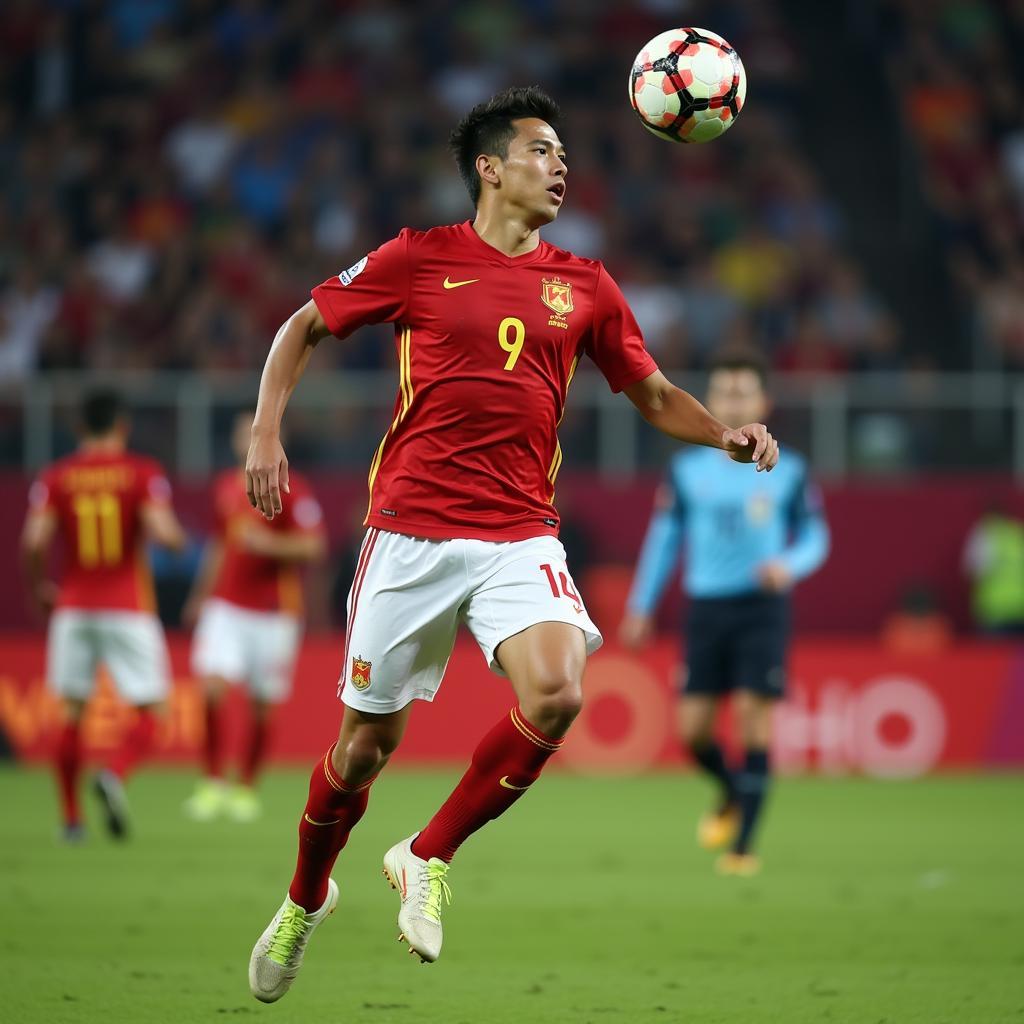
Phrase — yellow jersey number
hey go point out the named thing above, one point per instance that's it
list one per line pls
(511, 334)
(99, 529)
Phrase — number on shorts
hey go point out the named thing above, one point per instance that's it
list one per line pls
(511, 324)
(568, 590)
(99, 529)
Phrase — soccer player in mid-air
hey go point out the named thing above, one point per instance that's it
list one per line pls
(248, 601)
(103, 502)
(747, 540)
(490, 324)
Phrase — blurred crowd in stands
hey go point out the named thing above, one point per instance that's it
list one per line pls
(957, 65)
(178, 173)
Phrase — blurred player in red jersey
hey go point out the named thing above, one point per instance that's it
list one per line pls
(490, 324)
(248, 602)
(104, 502)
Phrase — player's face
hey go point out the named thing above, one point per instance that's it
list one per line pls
(533, 173)
(737, 397)
(241, 432)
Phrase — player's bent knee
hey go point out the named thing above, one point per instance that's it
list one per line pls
(553, 706)
(362, 755)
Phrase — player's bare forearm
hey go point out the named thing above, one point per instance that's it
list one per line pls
(675, 412)
(292, 546)
(286, 362)
(162, 527)
(266, 467)
(678, 414)
(36, 540)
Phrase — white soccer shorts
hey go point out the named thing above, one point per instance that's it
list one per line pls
(241, 645)
(131, 645)
(410, 594)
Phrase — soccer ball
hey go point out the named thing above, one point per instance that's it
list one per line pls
(687, 85)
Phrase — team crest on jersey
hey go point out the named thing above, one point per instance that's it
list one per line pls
(361, 673)
(557, 296)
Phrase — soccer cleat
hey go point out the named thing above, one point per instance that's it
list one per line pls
(243, 805)
(277, 956)
(741, 865)
(422, 886)
(207, 802)
(109, 790)
(715, 831)
(72, 834)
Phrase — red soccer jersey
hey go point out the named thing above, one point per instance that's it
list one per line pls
(487, 347)
(251, 580)
(98, 498)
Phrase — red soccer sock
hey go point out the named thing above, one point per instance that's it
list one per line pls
(255, 749)
(213, 741)
(507, 761)
(134, 745)
(68, 761)
(332, 811)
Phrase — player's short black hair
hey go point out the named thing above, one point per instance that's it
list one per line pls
(487, 128)
(733, 361)
(100, 410)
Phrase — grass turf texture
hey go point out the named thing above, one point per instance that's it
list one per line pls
(589, 902)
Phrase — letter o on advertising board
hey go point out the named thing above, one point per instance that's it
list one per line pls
(649, 719)
(913, 754)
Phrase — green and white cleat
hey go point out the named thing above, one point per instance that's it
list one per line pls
(208, 801)
(422, 886)
(277, 957)
(243, 804)
(109, 790)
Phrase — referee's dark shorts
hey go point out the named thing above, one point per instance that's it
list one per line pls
(737, 643)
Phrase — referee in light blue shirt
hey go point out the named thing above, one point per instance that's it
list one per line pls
(746, 539)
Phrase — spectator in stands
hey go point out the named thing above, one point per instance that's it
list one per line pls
(918, 625)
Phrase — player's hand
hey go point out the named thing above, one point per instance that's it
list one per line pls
(636, 630)
(266, 474)
(752, 443)
(774, 577)
(44, 597)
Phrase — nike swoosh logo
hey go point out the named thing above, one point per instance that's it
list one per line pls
(503, 781)
(458, 284)
(321, 823)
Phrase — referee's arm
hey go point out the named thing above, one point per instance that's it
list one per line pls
(659, 555)
(809, 542)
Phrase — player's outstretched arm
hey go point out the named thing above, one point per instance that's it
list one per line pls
(266, 467)
(289, 546)
(36, 541)
(162, 526)
(678, 414)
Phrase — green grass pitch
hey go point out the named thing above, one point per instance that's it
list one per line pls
(881, 903)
